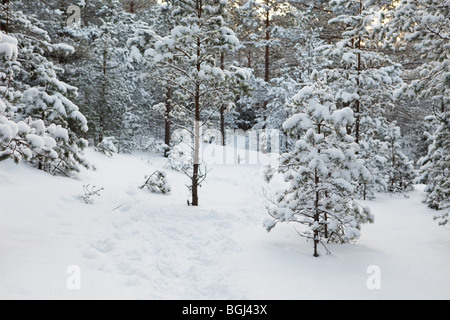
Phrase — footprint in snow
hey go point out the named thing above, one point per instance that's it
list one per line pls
(125, 207)
(134, 255)
(89, 254)
(130, 191)
(65, 223)
(132, 282)
(103, 246)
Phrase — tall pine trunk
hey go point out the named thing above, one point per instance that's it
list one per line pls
(4, 26)
(393, 163)
(266, 59)
(104, 92)
(222, 108)
(357, 102)
(195, 174)
(316, 215)
(167, 120)
(267, 51)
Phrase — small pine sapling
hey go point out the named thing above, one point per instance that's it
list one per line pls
(399, 170)
(180, 155)
(443, 218)
(157, 182)
(89, 192)
(435, 166)
(107, 146)
(322, 171)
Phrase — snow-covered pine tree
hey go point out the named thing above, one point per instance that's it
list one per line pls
(435, 168)
(299, 60)
(161, 23)
(298, 38)
(135, 6)
(438, 168)
(189, 57)
(42, 99)
(157, 182)
(269, 31)
(382, 148)
(322, 170)
(425, 24)
(108, 75)
(373, 132)
(360, 75)
(17, 139)
(399, 170)
(115, 100)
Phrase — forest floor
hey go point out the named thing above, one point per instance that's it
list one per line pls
(134, 244)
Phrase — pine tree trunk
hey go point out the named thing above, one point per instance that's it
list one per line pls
(103, 107)
(222, 108)
(325, 216)
(365, 191)
(195, 185)
(393, 164)
(195, 174)
(266, 60)
(5, 26)
(222, 125)
(167, 121)
(316, 219)
(316, 215)
(267, 53)
(357, 102)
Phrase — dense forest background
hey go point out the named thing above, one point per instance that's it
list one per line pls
(124, 75)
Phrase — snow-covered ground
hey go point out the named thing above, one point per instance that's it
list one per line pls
(133, 244)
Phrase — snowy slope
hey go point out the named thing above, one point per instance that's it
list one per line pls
(132, 244)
